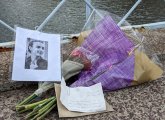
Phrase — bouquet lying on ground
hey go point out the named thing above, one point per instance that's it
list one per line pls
(119, 61)
(106, 56)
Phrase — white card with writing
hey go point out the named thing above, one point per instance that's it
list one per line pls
(83, 99)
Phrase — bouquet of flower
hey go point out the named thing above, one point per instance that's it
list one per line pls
(107, 56)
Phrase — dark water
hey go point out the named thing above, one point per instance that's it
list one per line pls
(147, 12)
(71, 17)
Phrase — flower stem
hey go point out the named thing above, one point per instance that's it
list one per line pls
(37, 108)
(24, 108)
(43, 115)
(28, 99)
(44, 109)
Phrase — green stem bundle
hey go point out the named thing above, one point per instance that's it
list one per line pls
(40, 109)
(35, 110)
(28, 100)
(43, 115)
(24, 108)
(44, 110)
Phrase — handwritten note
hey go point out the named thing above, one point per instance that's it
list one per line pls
(83, 99)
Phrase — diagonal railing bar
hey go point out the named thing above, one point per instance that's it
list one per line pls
(51, 15)
(6, 25)
(88, 10)
(93, 8)
(88, 20)
(58, 7)
(129, 12)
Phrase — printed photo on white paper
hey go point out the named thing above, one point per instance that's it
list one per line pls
(36, 56)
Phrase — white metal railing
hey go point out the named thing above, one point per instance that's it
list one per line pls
(6, 25)
(51, 15)
(129, 12)
(88, 8)
(88, 11)
(148, 26)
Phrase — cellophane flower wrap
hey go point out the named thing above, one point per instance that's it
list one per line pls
(110, 56)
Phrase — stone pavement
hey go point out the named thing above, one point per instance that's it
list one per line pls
(142, 102)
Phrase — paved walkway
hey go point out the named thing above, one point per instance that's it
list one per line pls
(142, 102)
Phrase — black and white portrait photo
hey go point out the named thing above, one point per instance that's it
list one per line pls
(36, 54)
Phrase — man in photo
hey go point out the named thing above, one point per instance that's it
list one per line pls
(35, 59)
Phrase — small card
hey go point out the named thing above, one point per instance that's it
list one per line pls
(83, 99)
(64, 113)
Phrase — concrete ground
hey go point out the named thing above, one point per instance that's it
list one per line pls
(142, 102)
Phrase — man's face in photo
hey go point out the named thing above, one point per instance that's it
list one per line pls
(38, 49)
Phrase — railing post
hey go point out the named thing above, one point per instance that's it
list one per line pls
(88, 11)
(51, 15)
(129, 12)
(6, 25)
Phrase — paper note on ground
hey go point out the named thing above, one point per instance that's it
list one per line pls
(83, 99)
(63, 112)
